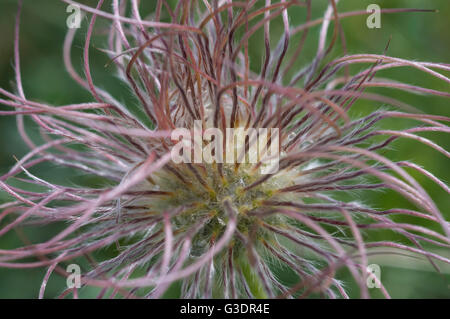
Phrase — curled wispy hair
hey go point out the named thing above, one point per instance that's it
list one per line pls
(222, 230)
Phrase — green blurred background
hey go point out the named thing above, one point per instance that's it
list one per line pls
(416, 36)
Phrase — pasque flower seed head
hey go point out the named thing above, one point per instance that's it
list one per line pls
(222, 229)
